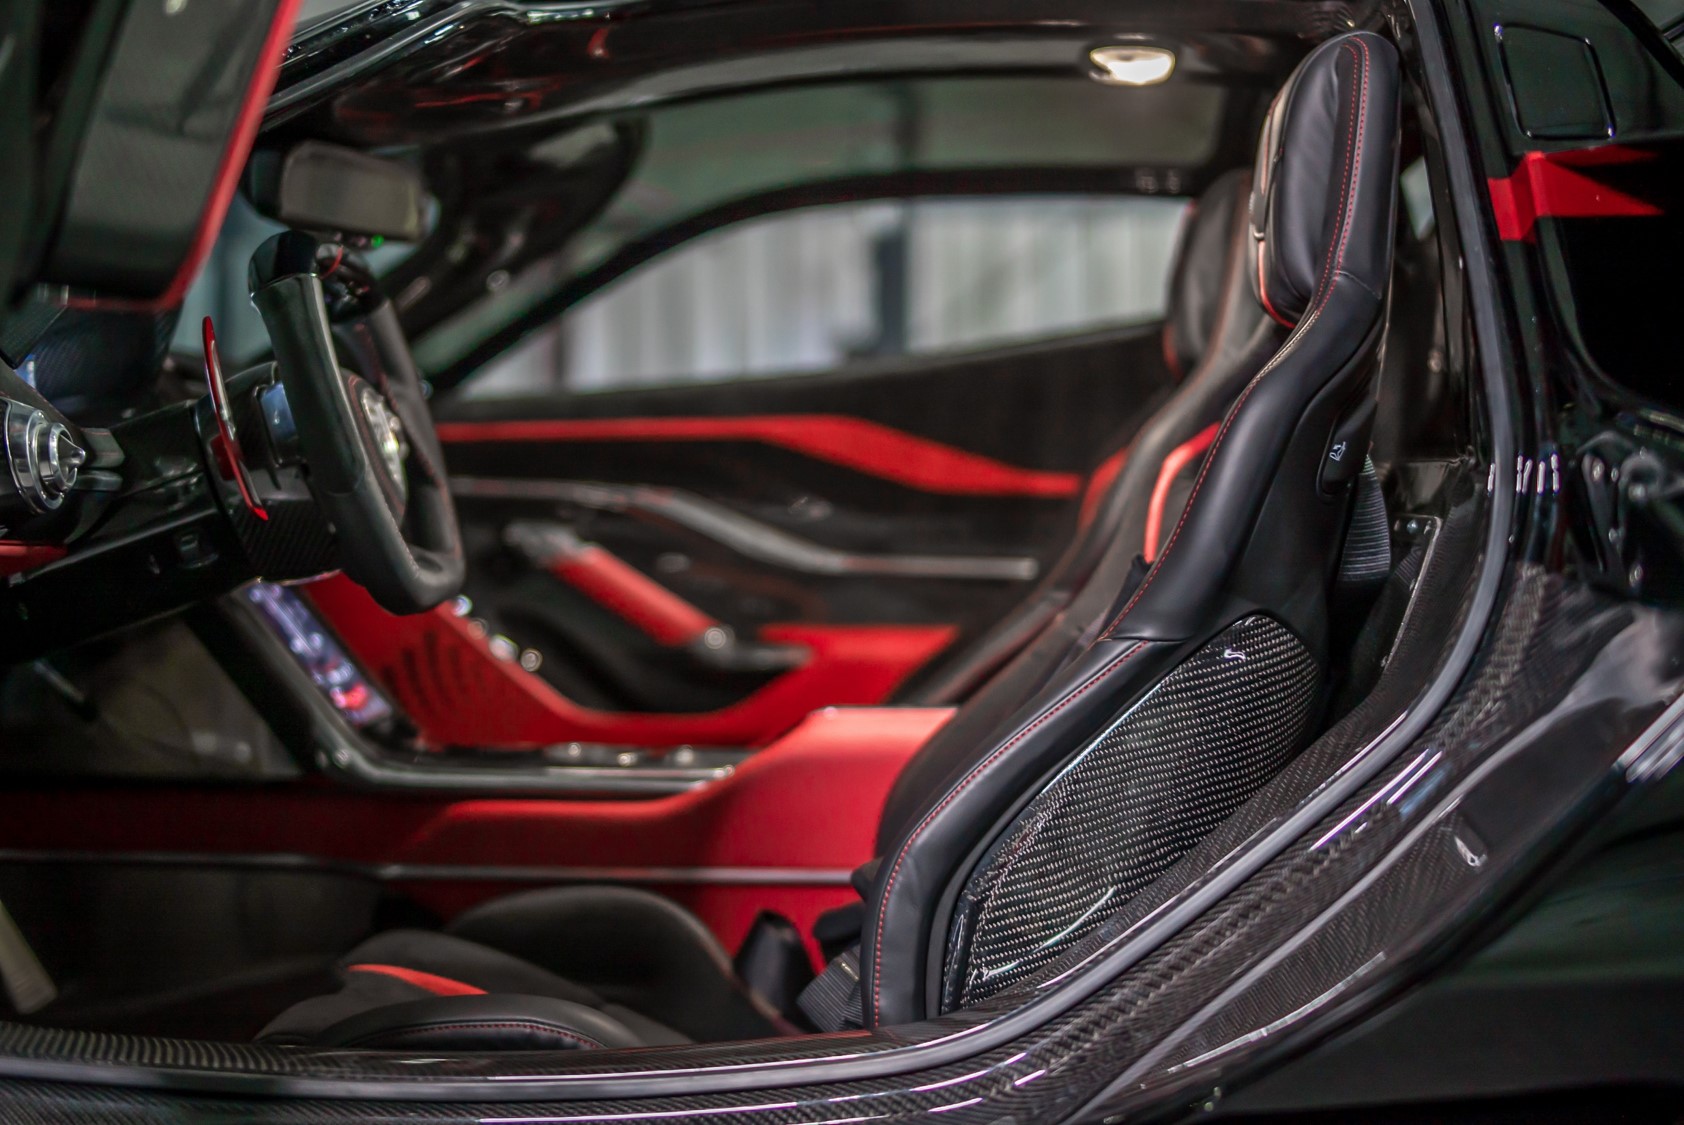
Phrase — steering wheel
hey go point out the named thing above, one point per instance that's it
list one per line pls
(370, 450)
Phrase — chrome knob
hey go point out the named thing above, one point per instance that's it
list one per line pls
(43, 456)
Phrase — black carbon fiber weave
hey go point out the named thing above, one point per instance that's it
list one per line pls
(1130, 804)
(1434, 613)
(1545, 640)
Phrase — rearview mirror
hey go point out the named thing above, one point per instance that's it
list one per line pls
(323, 187)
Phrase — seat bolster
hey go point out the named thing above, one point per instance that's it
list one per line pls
(480, 1023)
(629, 947)
(906, 906)
(1256, 529)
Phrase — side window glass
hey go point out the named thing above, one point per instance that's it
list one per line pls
(826, 288)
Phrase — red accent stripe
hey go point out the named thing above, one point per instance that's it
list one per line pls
(234, 157)
(854, 443)
(15, 558)
(617, 585)
(440, 669)
(1556, 185)
(437, 985)
(1178, 459)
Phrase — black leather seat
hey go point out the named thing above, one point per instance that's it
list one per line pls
(1211, 320)
(551, 969)
(1194, 680)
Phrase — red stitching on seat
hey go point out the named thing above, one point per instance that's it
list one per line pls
(1347, 199)
(883, 905)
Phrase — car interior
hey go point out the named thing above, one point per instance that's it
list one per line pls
(881, 682)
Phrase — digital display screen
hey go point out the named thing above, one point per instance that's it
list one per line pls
(340, 680)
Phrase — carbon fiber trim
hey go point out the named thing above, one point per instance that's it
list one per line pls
(1362, 888)
(1130, 804)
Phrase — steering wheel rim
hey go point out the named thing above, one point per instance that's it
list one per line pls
(395, 525)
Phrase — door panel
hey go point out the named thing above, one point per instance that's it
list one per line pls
(782, 832)
(698, 564)
(449, 679)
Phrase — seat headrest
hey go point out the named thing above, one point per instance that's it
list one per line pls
(1326, 162)
(1211, 253)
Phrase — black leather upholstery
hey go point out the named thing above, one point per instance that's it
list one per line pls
(1251, 554)
(1200, 318)
(561, 968)
(493, 1022)
(1258, 536)
(1208, 339)
(1309, 152)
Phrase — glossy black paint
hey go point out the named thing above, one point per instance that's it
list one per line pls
(431, 71)
(151, 147)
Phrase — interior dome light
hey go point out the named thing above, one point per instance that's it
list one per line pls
(1131, 65)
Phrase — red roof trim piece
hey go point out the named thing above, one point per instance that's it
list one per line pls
(1553, 185)
(854, 443)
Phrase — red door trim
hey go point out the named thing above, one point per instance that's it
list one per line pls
(1563, 185)
(440, 669)
(808, 802)
(618, 586)
(854, 443)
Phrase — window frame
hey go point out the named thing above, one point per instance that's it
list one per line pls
(1123, 180)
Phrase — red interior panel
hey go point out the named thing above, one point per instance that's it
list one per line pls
(1565, 185)
(15, 558)
(441, 670)
(866, 447)
(612, 582)
(808, 802)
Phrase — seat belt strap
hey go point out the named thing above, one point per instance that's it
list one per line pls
(832, 1001)
(1366, 560)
